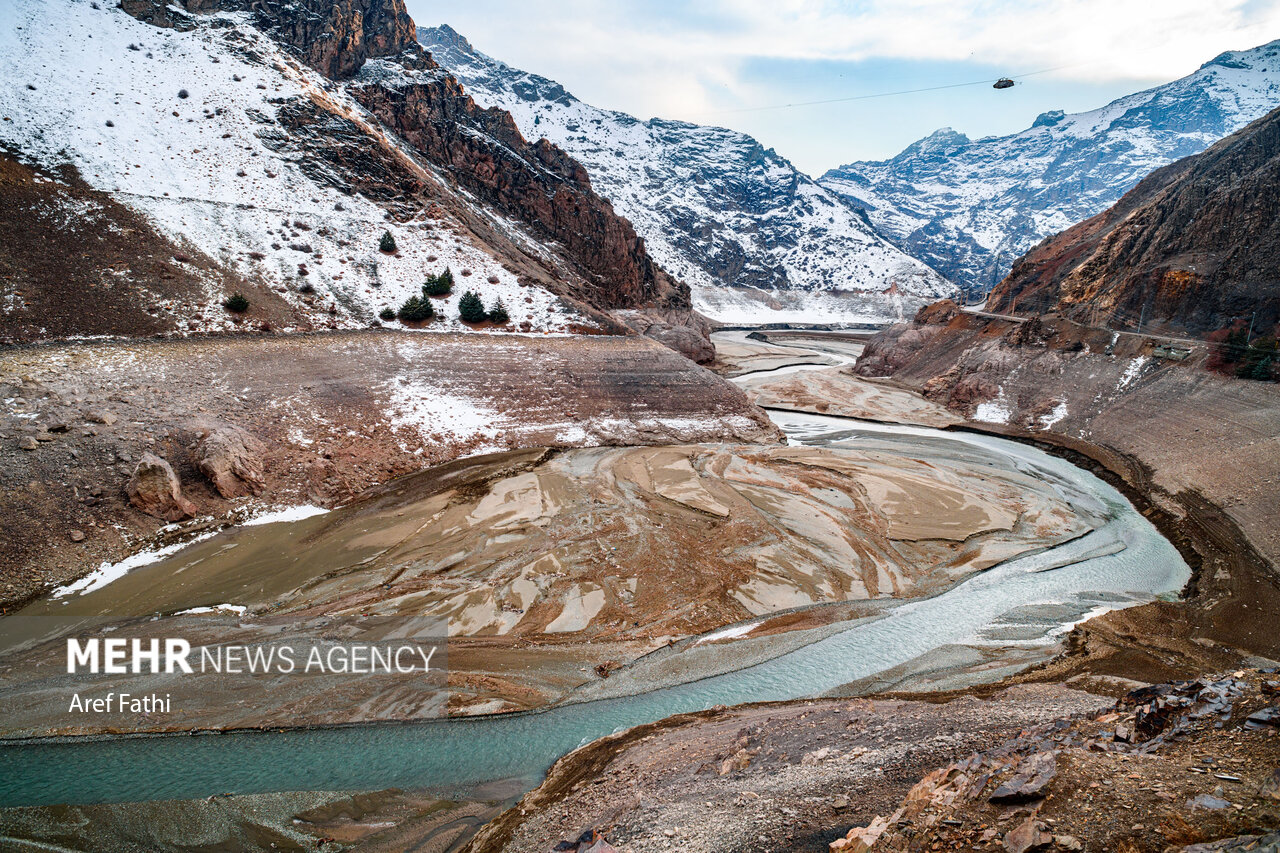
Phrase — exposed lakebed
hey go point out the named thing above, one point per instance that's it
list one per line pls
(1000, 591)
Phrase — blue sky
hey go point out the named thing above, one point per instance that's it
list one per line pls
(719, 62)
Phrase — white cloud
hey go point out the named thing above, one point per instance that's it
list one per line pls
(690, 60)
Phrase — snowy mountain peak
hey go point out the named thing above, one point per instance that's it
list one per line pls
(944, 141)
(1247, 59)
(971, 208)
(446, 35)
(757, 240)
(1049, 118)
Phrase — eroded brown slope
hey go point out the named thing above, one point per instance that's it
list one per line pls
(1194, 246)
(77, 263)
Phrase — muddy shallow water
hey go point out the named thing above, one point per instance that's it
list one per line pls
(1021, 604)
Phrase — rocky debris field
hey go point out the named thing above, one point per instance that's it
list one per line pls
(229, 423)
(1189, 766)
(793, 776)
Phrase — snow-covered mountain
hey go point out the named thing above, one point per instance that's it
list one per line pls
(971, 208)
(171, 153)
(757, 240)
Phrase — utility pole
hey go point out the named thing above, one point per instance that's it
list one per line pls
(1142, 318)
(1249, 336)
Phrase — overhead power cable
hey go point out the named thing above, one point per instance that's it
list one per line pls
(887, 94)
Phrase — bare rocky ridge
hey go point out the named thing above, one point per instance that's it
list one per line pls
(334, 38)
(1193, 246)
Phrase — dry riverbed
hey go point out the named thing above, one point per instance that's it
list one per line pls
(552, 569)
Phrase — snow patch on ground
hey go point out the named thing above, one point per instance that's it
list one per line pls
(1132, 372)
(1059, 412)
(995, 411)
(238, 609)
(436, 413)
(293, 513)
(730, 633)
(108, 572)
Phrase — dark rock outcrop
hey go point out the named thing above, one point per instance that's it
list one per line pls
(536, 183)
(938, 313)
(155, 490)
(334, 37)
(1193, 246)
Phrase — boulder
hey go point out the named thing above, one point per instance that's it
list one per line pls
(1029, 835)
(1265, 717)
(862, 838)
(155, 490)
(232, 460)
(687, 341)
(938, 313)
(1270, 788)
(1243, 843)
(1029, 783)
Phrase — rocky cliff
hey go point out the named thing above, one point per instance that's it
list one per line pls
(758, 240)
(335, 38)
(536, 184)
(971, 207)
(1193, 246)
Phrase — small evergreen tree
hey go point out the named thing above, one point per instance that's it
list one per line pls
(1257, 359)
(387, 314)
(470, 308)
(438, 285)
(1262, 370)
(498, 313)
(1234, 346)
(237, 303)
(387, 243)
(415, 310)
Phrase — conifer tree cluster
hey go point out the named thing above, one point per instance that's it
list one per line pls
(471, 309)
(416, 309)
(438, 285)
